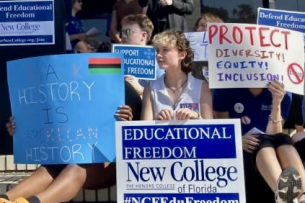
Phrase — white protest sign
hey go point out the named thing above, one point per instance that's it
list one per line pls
(249, 56)
(199, 44)
(180, 161)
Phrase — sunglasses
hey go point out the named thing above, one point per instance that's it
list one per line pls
(127, 32)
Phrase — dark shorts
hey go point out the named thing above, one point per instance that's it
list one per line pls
(55, 170)
(274, 141)
(255, 183)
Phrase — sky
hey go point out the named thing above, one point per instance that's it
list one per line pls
(292, 5)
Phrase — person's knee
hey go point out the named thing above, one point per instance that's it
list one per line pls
(76, 173)
(298, 137)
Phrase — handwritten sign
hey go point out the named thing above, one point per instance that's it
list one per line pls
(172, 162)
(285, 19)
(64, 107)
(139, 61)
(199, 44)
(250, 56)
(27, 22)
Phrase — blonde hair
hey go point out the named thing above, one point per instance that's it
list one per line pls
(142, 20)
(176, 39)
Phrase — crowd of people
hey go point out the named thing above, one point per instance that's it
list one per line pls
(273, 161)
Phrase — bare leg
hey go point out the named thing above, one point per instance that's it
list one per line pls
(298, 136)
(74, 177)
(288, 156)
(65, 186)
(268, 166)
(32, 185)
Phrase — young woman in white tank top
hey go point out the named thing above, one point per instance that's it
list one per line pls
(177, 95)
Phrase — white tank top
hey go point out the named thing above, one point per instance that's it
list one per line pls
(190, 96)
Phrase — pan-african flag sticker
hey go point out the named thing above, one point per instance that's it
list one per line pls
(104, 65)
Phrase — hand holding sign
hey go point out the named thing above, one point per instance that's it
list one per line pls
(185, 114)
(165, 115)
(124, 113)
(277, 90)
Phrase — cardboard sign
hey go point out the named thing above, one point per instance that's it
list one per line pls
(194, 161)
(250, 56)
(64, 107)
(27, 22)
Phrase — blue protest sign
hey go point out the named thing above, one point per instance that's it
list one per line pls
(27, 22)
(284, 19)
(139, 61)
(64, 107)
(180, 161)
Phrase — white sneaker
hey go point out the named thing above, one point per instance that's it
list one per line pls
(289, 186)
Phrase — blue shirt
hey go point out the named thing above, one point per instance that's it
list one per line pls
(75, 26)
(160, 72)
(252, 110)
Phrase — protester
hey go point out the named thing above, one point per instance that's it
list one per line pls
(47, 183)
(270, 152)
(79, 40)
(201, 23)
(75, 28)
(137, 30)
(168, 14)
(121, 9)
(176, 95)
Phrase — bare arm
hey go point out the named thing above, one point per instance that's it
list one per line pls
(276, 123)
(80, 36)
(147, 107)
(184, 6)
(275, 127)
(206, 106)
(113, 33)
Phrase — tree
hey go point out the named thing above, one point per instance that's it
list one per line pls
(221, 12)
(243, 14)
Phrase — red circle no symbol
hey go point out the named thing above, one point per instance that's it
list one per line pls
(295, 73)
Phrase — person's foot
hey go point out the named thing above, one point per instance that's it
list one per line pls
(289, 186)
